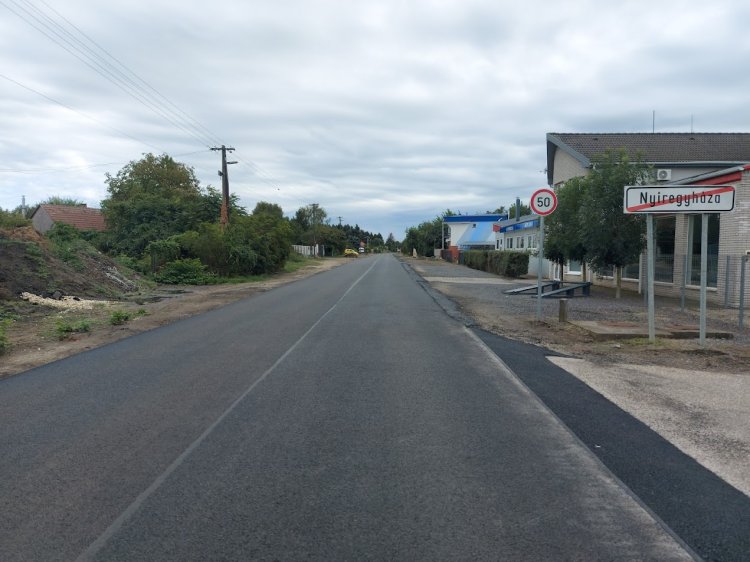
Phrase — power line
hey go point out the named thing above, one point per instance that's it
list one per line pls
(118, 131)
(198, 125)
(115, 71)
(66, 40)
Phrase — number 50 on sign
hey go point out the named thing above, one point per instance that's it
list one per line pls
(543, 201)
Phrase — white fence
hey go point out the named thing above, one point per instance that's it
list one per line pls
(309, 251)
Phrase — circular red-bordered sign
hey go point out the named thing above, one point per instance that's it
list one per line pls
(543, 201)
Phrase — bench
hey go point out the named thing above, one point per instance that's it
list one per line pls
(570, 290)
(553, 285)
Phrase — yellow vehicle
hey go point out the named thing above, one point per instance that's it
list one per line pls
(349, 253)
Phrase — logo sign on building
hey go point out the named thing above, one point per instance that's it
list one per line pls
(678, 199)
(543, 201)
(519, 226)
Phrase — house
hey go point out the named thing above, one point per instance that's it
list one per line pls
(675, 156)
(521, 235)
(81, 217)
(678, 159)
(470, 232)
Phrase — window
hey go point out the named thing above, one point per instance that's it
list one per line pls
(520, 241)
(574, 267)
(664, 229)
(694, 249)
(510, 243)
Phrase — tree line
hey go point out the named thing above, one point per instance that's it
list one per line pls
(161, 221)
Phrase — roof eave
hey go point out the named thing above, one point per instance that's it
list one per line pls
(553, 143)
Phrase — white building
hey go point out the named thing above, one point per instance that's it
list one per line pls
(678, 159)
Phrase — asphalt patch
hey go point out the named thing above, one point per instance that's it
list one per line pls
(711, 516)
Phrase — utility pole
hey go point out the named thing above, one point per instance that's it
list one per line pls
(224, 184)
(314, 228)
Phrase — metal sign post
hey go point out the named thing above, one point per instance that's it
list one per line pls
(539, 270)
(650, 278)
(704, 277)
(543, 203)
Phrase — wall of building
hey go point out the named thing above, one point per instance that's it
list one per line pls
(566, 167)
(41, 221)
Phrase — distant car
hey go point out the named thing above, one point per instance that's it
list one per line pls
(361, 250)
(349, 253)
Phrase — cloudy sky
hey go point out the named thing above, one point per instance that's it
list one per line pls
(385, 112)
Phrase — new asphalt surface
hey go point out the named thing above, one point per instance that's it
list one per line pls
(712, 516)
(345, 416)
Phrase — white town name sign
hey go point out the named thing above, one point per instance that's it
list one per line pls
(678, 199)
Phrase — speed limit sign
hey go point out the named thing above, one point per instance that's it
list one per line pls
(543, 201)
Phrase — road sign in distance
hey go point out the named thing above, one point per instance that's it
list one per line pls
(543, 201)
(678, 199)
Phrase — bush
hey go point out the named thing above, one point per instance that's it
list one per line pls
(119, 317)
(4, 343)
(162, 252)
(12, 220)
(65, 329)
(508, 264)
(185, 272)
(67, 244)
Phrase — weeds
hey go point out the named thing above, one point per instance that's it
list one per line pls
(64, 329)
(4, 343)
(119, 317)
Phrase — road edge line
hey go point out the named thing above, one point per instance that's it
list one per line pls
(515, 379)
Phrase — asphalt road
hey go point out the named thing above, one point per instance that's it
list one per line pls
(342, 417)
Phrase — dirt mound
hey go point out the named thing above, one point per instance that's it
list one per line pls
(28, 263)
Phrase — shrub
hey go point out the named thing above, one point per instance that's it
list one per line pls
(162, 252)
(4, 343)
(185, 272)
(12, 220)
(508, 264)
(67, 244)
(119, 317)
(65, 329)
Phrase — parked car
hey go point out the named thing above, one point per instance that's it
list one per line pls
(349, 253)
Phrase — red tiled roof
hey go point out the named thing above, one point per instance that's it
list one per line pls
(81, 217)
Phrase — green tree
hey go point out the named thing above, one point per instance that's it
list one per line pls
(390, 243)
(611, 237)
(426, 237)
(250, 245)
(523, 211)
(57, 200)
(306, 224)
(563, 235)
(152, 199)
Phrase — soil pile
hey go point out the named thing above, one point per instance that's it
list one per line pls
(29, 263)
